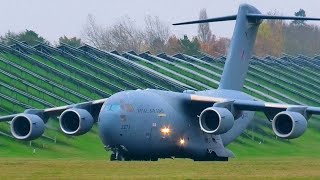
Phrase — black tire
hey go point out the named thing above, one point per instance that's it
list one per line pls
(120, 157)
(212, 159)
(154, 159)
(113, 157)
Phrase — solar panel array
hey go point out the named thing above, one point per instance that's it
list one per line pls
(44, 76)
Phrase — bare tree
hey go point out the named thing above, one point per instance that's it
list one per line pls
(157, 34)
(126, 36)
(95, 34)
(122, 36)
(204, 32)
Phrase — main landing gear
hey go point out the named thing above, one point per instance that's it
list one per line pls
(119, 156)
(212, 159)
(120, 153)
(123, 156)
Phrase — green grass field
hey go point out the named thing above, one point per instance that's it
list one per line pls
(257, 168)
(86, 159)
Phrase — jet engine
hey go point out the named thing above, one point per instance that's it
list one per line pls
(27, 127)
(289, 124)
(216, 120)
(76, 121)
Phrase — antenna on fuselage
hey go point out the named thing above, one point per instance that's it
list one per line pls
(248, 20)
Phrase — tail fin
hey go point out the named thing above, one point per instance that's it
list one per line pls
(248, 20)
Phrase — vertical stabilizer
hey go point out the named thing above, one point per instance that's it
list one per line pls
(240, 50)
(248, 20)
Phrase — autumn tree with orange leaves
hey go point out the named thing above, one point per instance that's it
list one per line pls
(208, 41)
(270, 39)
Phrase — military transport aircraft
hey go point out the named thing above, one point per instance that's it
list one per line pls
(151, 124)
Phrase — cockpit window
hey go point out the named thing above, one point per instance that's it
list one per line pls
(113, 107)
(118, 107)
(107, 107)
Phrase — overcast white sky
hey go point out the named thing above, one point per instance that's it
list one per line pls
(54, 18)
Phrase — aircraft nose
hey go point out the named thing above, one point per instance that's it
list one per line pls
(108, 123)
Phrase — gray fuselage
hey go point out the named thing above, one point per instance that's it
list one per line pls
(133, 121)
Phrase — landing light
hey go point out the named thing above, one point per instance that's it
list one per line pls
(182, 142)
(165, 131)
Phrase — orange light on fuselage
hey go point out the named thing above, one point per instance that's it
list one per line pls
(182, 142)
(165, 131)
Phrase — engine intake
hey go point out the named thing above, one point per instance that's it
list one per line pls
(76, 121)
(289, 124)
(216, 120)
(27, 127)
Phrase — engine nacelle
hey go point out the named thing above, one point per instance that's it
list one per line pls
(289, 124)
(27, 127)
(76, 121)
(216, 120)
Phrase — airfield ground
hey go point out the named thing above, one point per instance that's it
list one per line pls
(86, 159)
(262, 168)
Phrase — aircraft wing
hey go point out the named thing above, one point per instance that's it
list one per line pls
(92, 106)
(268, 108)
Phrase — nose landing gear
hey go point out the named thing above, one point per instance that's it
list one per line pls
(118, 153)
(117, 156)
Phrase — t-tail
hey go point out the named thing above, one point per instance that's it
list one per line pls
(248, 20)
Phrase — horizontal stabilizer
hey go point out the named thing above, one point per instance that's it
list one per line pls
(261, 17)
(225, 18)
(251, 17)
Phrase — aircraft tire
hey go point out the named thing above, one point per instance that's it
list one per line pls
(212, 159)
(120, 157)
(154, 159)
(113, 157)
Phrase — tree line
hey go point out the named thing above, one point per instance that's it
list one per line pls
(274, 37)
(155, 37)
(297, 37)
(32, 38)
